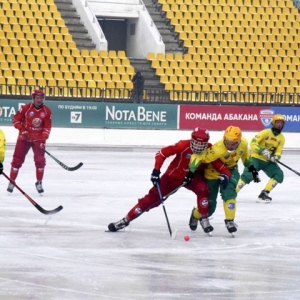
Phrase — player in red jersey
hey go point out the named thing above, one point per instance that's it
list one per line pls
(174, 177)
(34, 122)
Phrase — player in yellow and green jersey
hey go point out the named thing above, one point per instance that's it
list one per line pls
(2, 150)
(267, 148)
(229, 150)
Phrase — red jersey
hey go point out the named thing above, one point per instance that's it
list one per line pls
(179, 166)
(37, 121)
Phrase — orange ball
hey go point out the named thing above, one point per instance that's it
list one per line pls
(186, 238)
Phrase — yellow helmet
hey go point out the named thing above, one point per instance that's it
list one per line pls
(277, 117)
(233, 133)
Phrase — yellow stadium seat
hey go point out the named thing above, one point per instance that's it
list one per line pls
(94, 53)
(102, 69)
(85, 53)
(112, 54)
(111, 70)
(121, 54)
(116, 78)
(103, 53)
(98, 61)
(21, 81)
(151, 56)
(130, 70)
(50, 60)
(116, 61)
(38, 74)
(78, 76)
(164, 79)
(97, 77)
(87, 77)
(83, 69)
(121, 70)
(107, 61)
(44, 67)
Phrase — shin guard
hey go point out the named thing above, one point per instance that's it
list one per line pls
(229, 209)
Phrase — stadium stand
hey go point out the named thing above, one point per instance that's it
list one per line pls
(36, 49)
(246, 46)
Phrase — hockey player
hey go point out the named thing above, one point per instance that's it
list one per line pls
(173, 178)
(33, 120)
(2, 149)
(266, 147)
(229, 150)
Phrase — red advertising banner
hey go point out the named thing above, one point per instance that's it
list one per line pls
(213, 117)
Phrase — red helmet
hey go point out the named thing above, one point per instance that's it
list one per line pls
(199, 141)
(38, 93)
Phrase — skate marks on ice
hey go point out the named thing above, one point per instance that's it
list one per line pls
(69, 256)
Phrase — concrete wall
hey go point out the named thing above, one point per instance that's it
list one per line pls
(90, 22)
(146, 38)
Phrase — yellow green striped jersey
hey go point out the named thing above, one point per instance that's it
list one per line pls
(218, 150)
(266, 139)
(2, 145)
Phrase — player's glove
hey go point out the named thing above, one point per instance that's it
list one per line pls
(25, 135)
(43, 145)
(188, 178)
(1, 168)
(224, 180)
(265, 152)
(273, 158)
(155, 177)
(254, 173)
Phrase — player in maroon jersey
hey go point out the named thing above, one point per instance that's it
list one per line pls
(174, 177)
(34, 122)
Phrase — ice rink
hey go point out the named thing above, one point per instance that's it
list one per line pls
(69, 255)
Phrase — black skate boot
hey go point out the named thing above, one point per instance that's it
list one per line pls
(206, 225)
(264, 197)
(193, 221)
(118, 225)
(10, 187)
(39, 187)
(231, 226)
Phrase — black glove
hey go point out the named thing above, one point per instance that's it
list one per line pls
(224, 180)
(155, 176)
(188, 178)
(1, 168)
(254, 172)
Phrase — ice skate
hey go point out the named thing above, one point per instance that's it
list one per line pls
(10, 187)
(264, 197)
(231, 226)
(207, 228)
(193, 221)
(118, 225)
(39, 187)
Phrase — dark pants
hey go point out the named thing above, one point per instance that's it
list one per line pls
(138, 95)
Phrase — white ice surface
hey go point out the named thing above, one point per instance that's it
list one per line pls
(70, 256)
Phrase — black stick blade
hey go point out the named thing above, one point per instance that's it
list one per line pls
(49, 212)
(74, 168)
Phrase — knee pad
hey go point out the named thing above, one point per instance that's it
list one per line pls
(40, 162)
(279, 176)
(17, 163)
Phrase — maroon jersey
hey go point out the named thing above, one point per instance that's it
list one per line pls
(37, 121)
